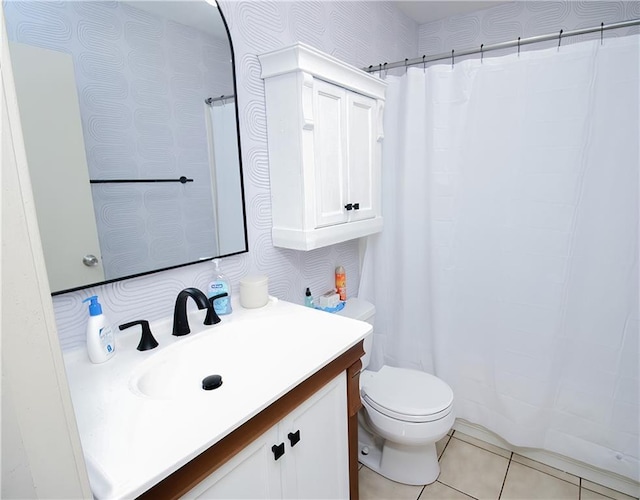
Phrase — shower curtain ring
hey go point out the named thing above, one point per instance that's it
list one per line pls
(518, 46)
(406, 60)
(452, 58)
(481, 53)
(559, 39)
(386, 71)
(601, 33)
(380, 70)
(424, 64)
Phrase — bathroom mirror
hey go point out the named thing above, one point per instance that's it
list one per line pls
(130, 127)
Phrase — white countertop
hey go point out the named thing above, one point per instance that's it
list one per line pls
(143, 415)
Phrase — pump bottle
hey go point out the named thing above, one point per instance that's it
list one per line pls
(220, 284)
(308, 298)
(101, 343)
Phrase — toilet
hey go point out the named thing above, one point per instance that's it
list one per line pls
(404, 413)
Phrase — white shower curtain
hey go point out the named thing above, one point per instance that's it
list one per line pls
(225, 181)
(508, 264)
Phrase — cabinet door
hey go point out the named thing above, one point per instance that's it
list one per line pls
(54, 142)
(330, 155)
(363, 157)
(317, 466)
(252, 473)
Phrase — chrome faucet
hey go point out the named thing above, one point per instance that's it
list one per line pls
(180, 319)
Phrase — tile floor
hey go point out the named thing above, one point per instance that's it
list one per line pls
(470, 468)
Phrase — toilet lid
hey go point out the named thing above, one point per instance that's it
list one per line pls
(408, 395)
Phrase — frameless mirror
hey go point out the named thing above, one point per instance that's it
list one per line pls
(129, 124)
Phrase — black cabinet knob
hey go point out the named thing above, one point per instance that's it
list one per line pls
(278, 450)
(349, 206)
(294, 437)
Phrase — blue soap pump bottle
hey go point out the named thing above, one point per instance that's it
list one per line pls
(101, 343)
(220, 284)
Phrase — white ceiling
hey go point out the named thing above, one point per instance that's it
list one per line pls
(203, 14)
(423, 11)
(200, 14)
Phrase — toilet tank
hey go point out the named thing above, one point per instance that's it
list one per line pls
(364, 311)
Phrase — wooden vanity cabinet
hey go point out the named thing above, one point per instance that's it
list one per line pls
(305, 455)
(302, 446)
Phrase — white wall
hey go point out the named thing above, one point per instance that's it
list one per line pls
(356, 32)
(523, 19)
(41, 453)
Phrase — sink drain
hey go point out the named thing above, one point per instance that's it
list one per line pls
(211, 382)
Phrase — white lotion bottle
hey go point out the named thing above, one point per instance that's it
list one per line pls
(101, 343)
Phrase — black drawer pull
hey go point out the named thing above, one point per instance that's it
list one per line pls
(349, 206)
(356, 206)
(278, 450)
(294, 437)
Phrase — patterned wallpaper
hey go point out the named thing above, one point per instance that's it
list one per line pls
(356, 32)
(142, 81)
(360, 33)
(524, 19)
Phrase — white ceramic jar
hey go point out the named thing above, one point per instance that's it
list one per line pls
(254, 291)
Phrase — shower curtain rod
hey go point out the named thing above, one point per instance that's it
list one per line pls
(502, 45)
(211, 100)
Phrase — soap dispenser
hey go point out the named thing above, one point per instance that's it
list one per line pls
(220, 284)
(101, 343)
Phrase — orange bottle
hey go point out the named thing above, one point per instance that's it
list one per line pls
(341, 283)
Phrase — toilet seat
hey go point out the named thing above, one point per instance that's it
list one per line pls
(406, 395)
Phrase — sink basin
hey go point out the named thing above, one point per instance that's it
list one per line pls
(178, 371)
(179, 374)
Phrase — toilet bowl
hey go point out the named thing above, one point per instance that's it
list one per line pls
(404, 413)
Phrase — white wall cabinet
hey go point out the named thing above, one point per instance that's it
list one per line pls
(324, 128)
(304, 456)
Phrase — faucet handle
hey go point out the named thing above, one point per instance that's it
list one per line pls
(147, 341)
(212, 317)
